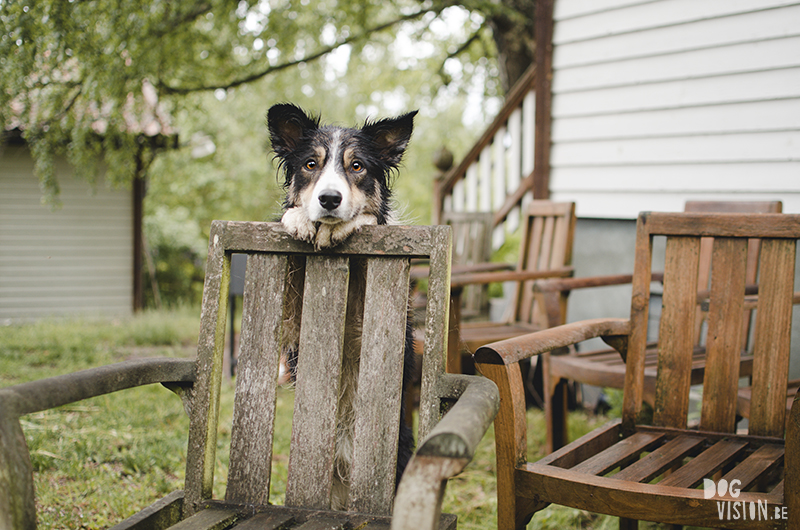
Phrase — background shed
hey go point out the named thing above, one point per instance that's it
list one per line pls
(76, 260)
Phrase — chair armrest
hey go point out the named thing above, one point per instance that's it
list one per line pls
(460, 430)
(569, 284)
(513, 350)
(792, 457)
(421, 271)
(446, 451)
(35, 396)
(17, 507)
(510, 276)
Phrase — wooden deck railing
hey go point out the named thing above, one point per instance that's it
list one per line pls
(496, 174)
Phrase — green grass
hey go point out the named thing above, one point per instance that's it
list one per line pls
(101, 460)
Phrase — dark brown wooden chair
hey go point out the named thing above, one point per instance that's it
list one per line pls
(652, 472)
(545, 252)
(285, 275)
(604, 367)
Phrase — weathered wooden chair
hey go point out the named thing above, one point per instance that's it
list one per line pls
(472, 250)
(604, 367)
(644, 472)
(545, 252)
(446, 446)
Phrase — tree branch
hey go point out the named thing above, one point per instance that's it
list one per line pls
(168, 89)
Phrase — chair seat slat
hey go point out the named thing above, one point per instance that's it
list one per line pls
(663, 458)
(705, 464)
(619, 454)
(267, 521)
(210, 519)
(756, 466)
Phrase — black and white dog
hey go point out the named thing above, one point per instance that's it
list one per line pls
(337, 180)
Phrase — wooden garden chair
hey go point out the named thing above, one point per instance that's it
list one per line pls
(545, 252)
(652, 472)
(604, 367)
(446, 445)
(472, 252)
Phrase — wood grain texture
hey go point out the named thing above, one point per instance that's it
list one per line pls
(256, 379)
(676, 333)
(633, 392)
(436, 329)
(510, 429)
(724, 336)
(662, 465)
(317, 389)
(377, 406)
(410, 241)
(201, 453)
(772, 337)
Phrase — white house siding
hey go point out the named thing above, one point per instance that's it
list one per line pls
(74, 261)
(658, 102)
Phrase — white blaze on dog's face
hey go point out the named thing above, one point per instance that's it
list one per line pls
(336, 178)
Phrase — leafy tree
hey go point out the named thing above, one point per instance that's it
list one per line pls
(104, 82)
(79, 77)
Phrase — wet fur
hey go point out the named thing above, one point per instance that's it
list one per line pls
(377, 149)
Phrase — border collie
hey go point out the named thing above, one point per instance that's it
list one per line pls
(337, 180)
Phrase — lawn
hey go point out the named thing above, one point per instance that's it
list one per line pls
(98, 461)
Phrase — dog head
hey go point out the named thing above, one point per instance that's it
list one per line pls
(337, 179)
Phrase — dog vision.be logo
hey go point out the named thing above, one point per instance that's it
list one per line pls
(732, 510)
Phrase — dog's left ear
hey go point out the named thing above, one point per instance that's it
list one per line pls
(391, 136)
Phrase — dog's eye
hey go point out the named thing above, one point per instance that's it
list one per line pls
(311, 164)
(357, 166)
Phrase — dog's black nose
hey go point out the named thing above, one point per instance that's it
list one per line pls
(330, 199)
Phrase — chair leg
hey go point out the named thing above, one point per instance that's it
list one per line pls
(555, 407)
(454, 339)
(628, 524)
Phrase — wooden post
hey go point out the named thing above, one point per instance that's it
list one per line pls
(138, 216)
(544, 65)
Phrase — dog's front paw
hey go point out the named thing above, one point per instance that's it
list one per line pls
(323, 238)
(344, 230)
(298, 225)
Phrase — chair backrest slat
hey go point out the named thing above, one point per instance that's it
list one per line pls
(546, 244)
(378, 405)
(772, 337)
(259, 355)
(320, 351)
(676, 335)
(723, 345)
(472, 244)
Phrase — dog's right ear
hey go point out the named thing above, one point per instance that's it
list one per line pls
(287, 125)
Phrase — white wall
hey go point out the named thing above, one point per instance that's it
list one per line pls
(77, 260)
(658, 102)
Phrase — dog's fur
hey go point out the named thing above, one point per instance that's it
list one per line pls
(337, 180)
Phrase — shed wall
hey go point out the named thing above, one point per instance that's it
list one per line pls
(74, 261)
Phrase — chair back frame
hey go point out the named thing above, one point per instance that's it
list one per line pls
(280, 270)
(727, 299)
(547, 239)
(472, 244)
